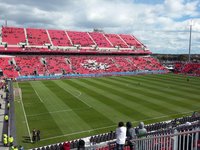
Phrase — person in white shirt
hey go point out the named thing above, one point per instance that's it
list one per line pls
(120, 136)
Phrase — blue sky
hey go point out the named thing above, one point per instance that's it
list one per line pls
(163, 25)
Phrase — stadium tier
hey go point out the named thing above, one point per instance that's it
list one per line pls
(188, 68)
(12, 35)
(41, 40)
(61, 65)
(92, 47)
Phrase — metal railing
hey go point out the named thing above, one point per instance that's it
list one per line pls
(179, 140)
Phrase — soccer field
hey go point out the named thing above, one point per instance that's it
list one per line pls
(74, 108)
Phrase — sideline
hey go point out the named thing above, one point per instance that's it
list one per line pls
(25, 114)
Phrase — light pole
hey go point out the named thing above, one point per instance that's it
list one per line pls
(190, 38)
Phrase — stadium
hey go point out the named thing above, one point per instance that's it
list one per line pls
(65, 89)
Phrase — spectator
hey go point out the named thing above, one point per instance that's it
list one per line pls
(81, 145)
(38, 135)
(21, 147)
(8, 106)
(130, 135)
(141, 131)
(10, 140)
(34, 134)
(6, 118)
(120, 136)
(66, 146)
(5, 141)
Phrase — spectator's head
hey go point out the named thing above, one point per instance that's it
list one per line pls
(141, 125)
(120, 124)
(187, 123)
(81, 145)
(128, 124)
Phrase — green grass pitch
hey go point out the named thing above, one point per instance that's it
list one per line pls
(73, 108)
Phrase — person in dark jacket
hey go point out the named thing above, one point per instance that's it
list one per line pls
(130, 135)
(38, 135)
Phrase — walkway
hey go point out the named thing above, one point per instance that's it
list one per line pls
(2, 120)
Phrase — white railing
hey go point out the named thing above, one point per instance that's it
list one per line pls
(185, 140)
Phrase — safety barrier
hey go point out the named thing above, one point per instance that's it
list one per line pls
(184, 140)
(22, 78)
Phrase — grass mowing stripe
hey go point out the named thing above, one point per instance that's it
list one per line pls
(89, 116)
(65, 119)
(178, 77)
(162, 96)
(120, 89)
(182, 84)
(38, 122)
(29, 96)
(129, 100)
(148, 97)
(90, 98)
(128, 90)
(111, 100)
(165, 89)
(112, 126)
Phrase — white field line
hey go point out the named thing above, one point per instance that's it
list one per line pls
(78, 97)
(38, 96)
(79, 93)
(107, 127)
(27, 125)
(20, 92)
(53, 112)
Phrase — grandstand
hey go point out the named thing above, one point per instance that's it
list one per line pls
(43, 42)
(38, 54)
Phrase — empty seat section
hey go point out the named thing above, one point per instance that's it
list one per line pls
(30, 65)
(80, 38)
(189, 68)
(37, 36)
(146, 63)
(115, 40)
(8, 68)
(124, 64)
(100, 40)
(130, 40)
(59, 38)
(13, 35)
(57, 65)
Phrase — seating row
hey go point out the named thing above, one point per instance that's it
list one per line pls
(39, 37)
(187, 68)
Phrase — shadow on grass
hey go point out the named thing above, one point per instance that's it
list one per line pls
(26, 139)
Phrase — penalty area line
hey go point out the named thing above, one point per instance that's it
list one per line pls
(78, 97)
(59, 111)
(38, 96)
